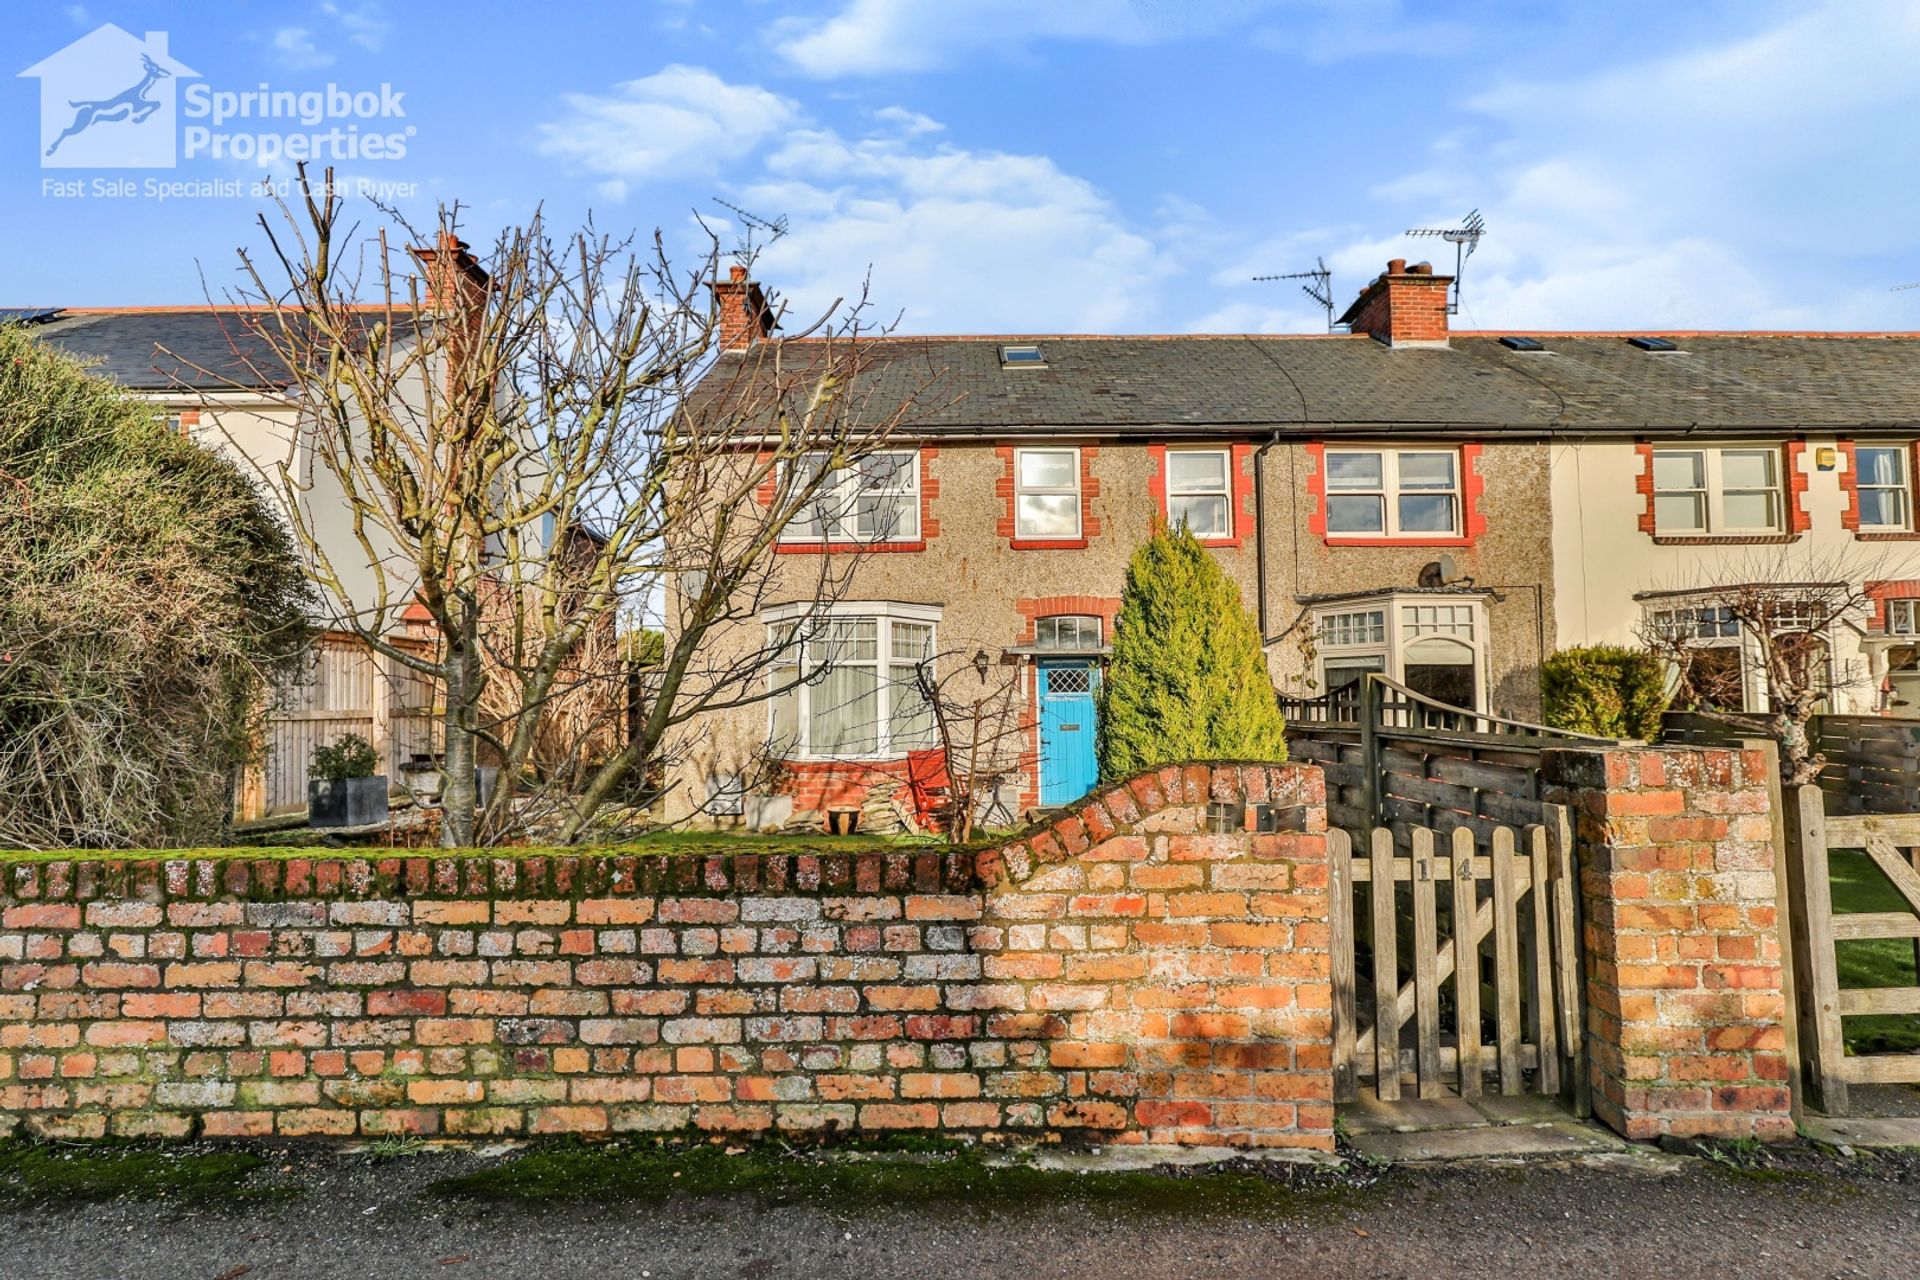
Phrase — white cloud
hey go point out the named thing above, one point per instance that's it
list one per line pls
(910, 122)
(1695, 189)
(957, 240)
(294, 48)
(884, 37)
(680, 121)
(365, 24)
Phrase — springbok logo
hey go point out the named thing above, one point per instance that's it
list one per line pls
(107, 101)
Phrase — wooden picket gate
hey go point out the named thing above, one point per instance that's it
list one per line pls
(1457, 938)
(1892, 841)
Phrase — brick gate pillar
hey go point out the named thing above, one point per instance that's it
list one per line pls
(1685, 1012)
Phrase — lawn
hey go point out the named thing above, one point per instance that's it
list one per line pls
(1859, 885)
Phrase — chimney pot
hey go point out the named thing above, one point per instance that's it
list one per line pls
(736, 272)
(1420, 269)
(1396, 266)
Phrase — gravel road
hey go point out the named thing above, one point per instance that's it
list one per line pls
(356, 1216)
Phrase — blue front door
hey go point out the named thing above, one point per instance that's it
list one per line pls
(1068, 768)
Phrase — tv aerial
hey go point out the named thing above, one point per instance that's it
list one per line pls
(1319, 288)
(773, 228)
(1901, 288)
(1464, 238)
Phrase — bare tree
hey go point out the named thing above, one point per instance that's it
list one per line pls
(538, 449)
(1776, 619)
(977, 719)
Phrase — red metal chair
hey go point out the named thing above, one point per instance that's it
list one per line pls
(931, 785)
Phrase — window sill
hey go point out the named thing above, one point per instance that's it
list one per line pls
(1724, 539)
(828, 762)
(844, 548)
(1048, 544)
(1887, 535)
(1422, 540)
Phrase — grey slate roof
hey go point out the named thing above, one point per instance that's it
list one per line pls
(1257, 384)
(167, 349)
(184, 349)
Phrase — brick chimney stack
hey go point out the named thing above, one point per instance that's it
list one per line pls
(455, 280)
(1406, 306)
(745, 317)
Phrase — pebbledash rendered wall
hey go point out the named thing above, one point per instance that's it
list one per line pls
(1117, 973)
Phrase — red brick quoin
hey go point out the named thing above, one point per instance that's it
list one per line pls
(1116, 974)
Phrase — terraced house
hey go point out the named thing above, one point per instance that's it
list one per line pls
(1443, 507)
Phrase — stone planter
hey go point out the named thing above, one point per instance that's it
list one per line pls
(426, 782)
(349, 802)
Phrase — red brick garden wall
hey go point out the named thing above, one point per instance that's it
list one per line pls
(1118, 973)
(1685, 1011)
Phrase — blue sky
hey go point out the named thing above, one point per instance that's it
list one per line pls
(1088, 165)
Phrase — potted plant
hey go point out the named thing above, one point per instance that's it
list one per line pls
(344, 790)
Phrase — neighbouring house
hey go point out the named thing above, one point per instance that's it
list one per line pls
(208, 372)
(1440, 506)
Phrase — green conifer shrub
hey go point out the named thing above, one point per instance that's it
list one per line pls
(1187, 680)
(1604, 689)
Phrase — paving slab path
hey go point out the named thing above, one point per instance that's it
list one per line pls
(1818, 1214)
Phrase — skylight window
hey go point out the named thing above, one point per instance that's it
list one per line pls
(1655, 344)
(1523, 344)
(1026, 355)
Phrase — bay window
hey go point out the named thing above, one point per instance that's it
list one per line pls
(1430, 643)
(845, 685)
(1391, 493)
(876, 499)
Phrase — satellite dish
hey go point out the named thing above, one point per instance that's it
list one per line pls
(1449, 571)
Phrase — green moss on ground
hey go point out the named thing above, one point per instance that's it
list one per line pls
(924, 1172)
(36, 1173)
(1860, 885)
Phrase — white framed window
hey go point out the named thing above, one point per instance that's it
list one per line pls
(1724, 665)
(1347, 630)
(845, 683)
(1390, 493)
(1200, 491)
(876, 499)
(1884, 483)
(1903, 617)
(1067, 632)
(1712, 491)
(1046, 493)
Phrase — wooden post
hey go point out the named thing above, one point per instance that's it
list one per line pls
(1346, 1085)
(384, 688)
(1817, 979)
(1466, 961)
(1426, 982)
(1544, 962)
(1506, 961)
(1386, 968)
(1783, 897)
(1569, 958)
(1370, 750)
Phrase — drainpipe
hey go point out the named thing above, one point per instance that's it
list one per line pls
(1260, 534)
